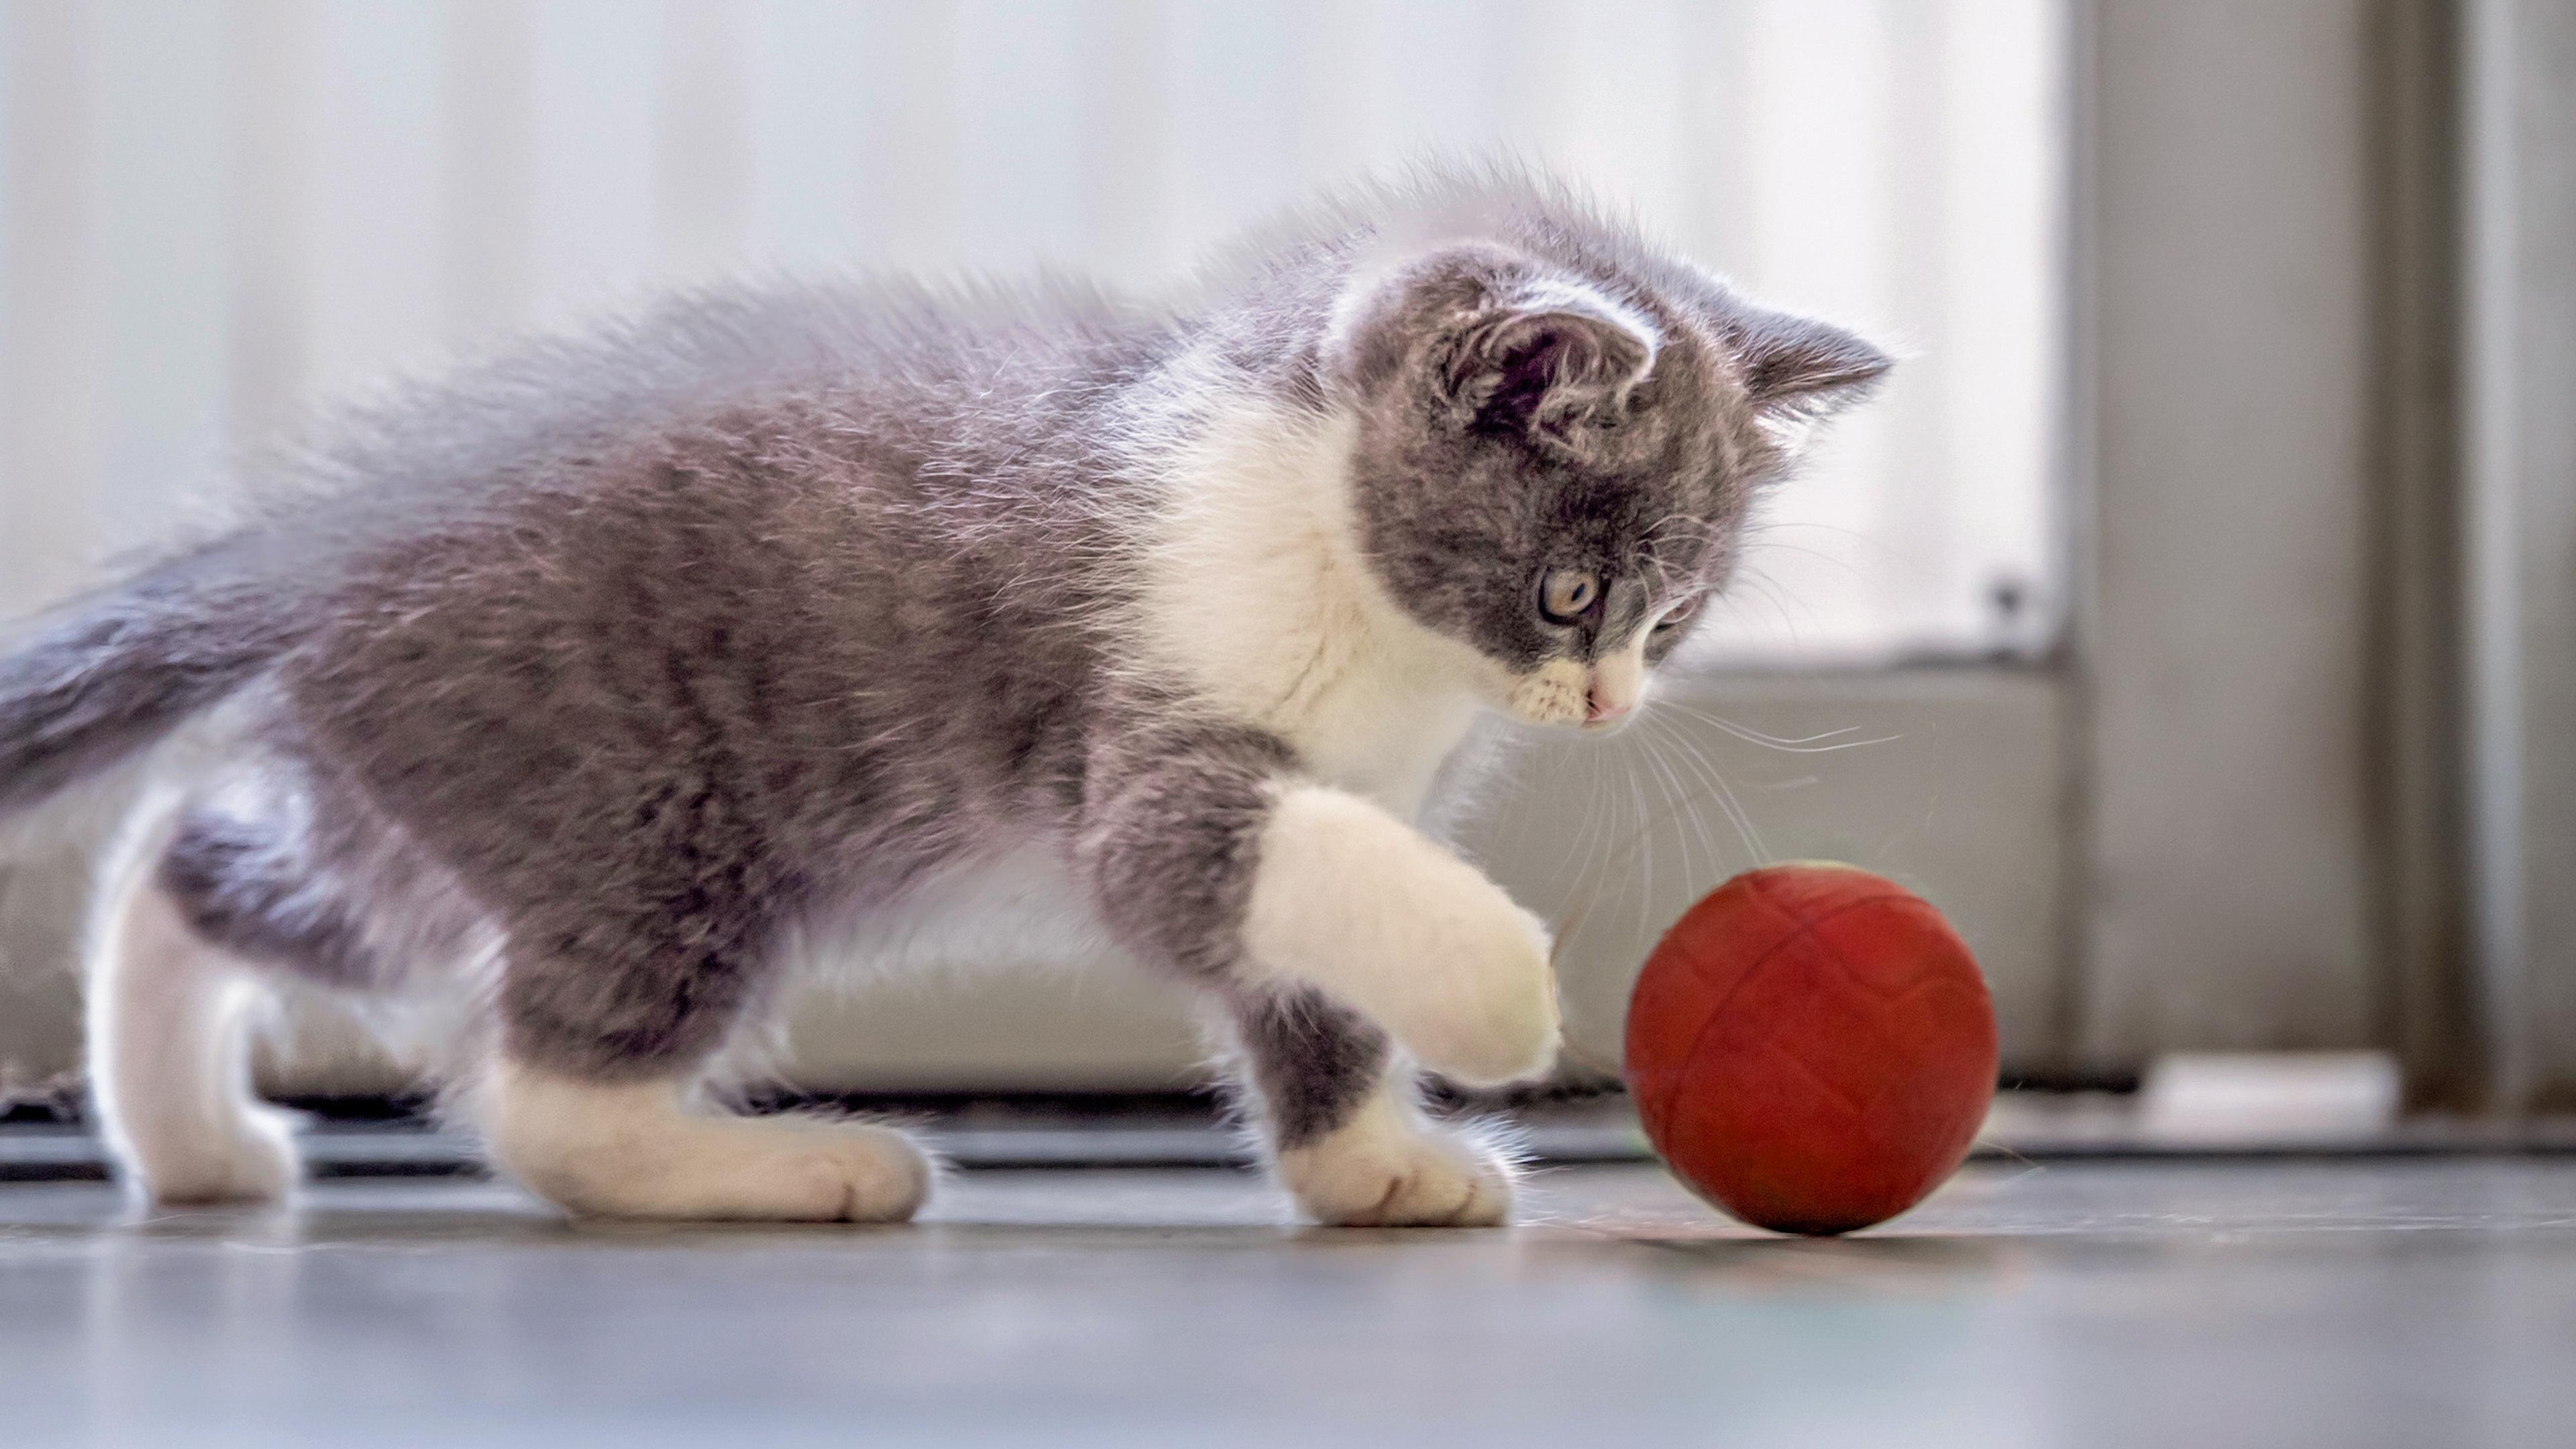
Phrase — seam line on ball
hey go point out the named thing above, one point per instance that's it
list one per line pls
(1699, 1039)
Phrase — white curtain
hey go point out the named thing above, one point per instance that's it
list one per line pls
(214, 213)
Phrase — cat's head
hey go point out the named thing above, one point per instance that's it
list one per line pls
(1555, 456)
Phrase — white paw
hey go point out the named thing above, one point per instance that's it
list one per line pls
(716, 1170)
(630, 1152)
(1389, 1169)
(1354, 901)
(245, 1162)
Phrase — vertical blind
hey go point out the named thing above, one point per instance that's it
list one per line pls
(216, 215)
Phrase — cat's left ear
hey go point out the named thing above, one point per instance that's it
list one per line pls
(1797, 370)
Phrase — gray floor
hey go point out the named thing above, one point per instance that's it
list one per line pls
(2345, 1303)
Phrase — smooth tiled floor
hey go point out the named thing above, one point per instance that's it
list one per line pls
(2102, 1304)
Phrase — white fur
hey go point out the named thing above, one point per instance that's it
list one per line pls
(169, 1042)
(1349, 899)
(1256, 593)
(1388, 1167)
(629, 1150)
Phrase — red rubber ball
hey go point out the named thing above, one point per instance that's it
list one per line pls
(1811, 1048)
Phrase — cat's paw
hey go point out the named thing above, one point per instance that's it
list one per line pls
(247, 1163)
(1388, 1169)
(743, 1171)
(628, 1151)
(1354, 901)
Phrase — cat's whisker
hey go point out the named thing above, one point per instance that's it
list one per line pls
(1759, 584)
(1772, 544)
(1588, 882)
(1692, 759)
(1651, 742)
(1645, 847)
(1806, 745)
(1665, 744)
(1727, 799)
(1654, 783)
(1598, 814)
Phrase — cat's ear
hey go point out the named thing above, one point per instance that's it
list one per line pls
(1496, 339)
(1546, 357)
(1797, 370)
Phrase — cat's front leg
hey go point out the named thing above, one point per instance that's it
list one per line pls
(1344, 1130)
(1352, 900)
(1209, 850)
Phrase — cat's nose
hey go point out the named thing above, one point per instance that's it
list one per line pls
(1598, 710)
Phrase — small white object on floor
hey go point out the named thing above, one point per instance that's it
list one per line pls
(2223, 1099)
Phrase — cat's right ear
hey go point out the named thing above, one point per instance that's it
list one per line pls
(1547, 359)
(1495, 342)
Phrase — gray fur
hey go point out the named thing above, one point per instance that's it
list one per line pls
(1308, 1064)
(107, 676)
(235, 887)
(637, 651)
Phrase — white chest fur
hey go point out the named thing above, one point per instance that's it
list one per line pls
(1256, 592)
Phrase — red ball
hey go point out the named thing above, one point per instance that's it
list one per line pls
(1811, 1048)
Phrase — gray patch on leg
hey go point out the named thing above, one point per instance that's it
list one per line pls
(1311, 1061)
(1171, 838)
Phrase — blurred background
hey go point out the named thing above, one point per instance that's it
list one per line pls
(2189, 619)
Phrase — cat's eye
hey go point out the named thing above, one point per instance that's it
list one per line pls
(1674, 616)
(1566, 595)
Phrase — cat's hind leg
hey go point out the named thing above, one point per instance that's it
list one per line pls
(169, 1017)
(634, 1149)
(1346, 1132)
(589, 1103)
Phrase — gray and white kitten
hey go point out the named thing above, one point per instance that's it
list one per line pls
(587, 689)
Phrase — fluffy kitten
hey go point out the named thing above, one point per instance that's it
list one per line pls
(580, 688)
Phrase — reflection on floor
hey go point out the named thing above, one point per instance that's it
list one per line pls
(2102, 1303)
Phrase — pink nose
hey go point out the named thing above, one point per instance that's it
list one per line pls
(1596, 711)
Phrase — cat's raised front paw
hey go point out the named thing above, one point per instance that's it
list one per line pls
(1387, 1169)
(1354, 901)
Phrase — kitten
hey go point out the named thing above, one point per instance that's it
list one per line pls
(581, 690)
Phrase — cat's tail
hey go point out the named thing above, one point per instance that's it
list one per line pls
(111, 673)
